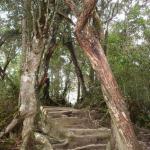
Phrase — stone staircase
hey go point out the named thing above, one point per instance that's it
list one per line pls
(144, 138)
(81, 133)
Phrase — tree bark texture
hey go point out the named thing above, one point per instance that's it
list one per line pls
(28, 102)
(125, 136)
(35, 35)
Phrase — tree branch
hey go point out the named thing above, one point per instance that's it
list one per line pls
(8, 35)
(84, 16)
(72, 6)
(65, 17)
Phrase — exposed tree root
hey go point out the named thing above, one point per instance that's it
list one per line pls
(60, 145)
(43, 140)
(17, 119)
(39, 137)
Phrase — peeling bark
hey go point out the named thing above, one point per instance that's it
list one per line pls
(125, 136)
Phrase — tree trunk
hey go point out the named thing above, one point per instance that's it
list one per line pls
(78, 92)
(67, 85)
(28, 102)
(125, 136)
(36, 33)
(34, 41)
(78, 71)
(43, 79)
(92, 79)
(44, 82)
(27, 98)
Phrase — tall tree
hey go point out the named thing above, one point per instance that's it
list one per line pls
(78, 71)
(36, 32)
(124, 133)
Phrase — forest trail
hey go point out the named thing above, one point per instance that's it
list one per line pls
(79, 131)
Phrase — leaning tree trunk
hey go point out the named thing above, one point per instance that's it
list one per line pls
(124, 133)
(78, 71)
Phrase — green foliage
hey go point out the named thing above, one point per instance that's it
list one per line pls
(131, 66)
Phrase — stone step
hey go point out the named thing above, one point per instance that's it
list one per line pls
(70, 121)
(79, 126)
(64, 112)
(86, 147)
(60, 146)
(81, 142)
(58, 109)
(81, 131)
(103, 132)
(91, 147)
(51, 108)
(144, 145)
(78, 141)
(69, 113)
(144, 137)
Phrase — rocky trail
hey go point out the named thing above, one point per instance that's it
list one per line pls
(77, 130)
